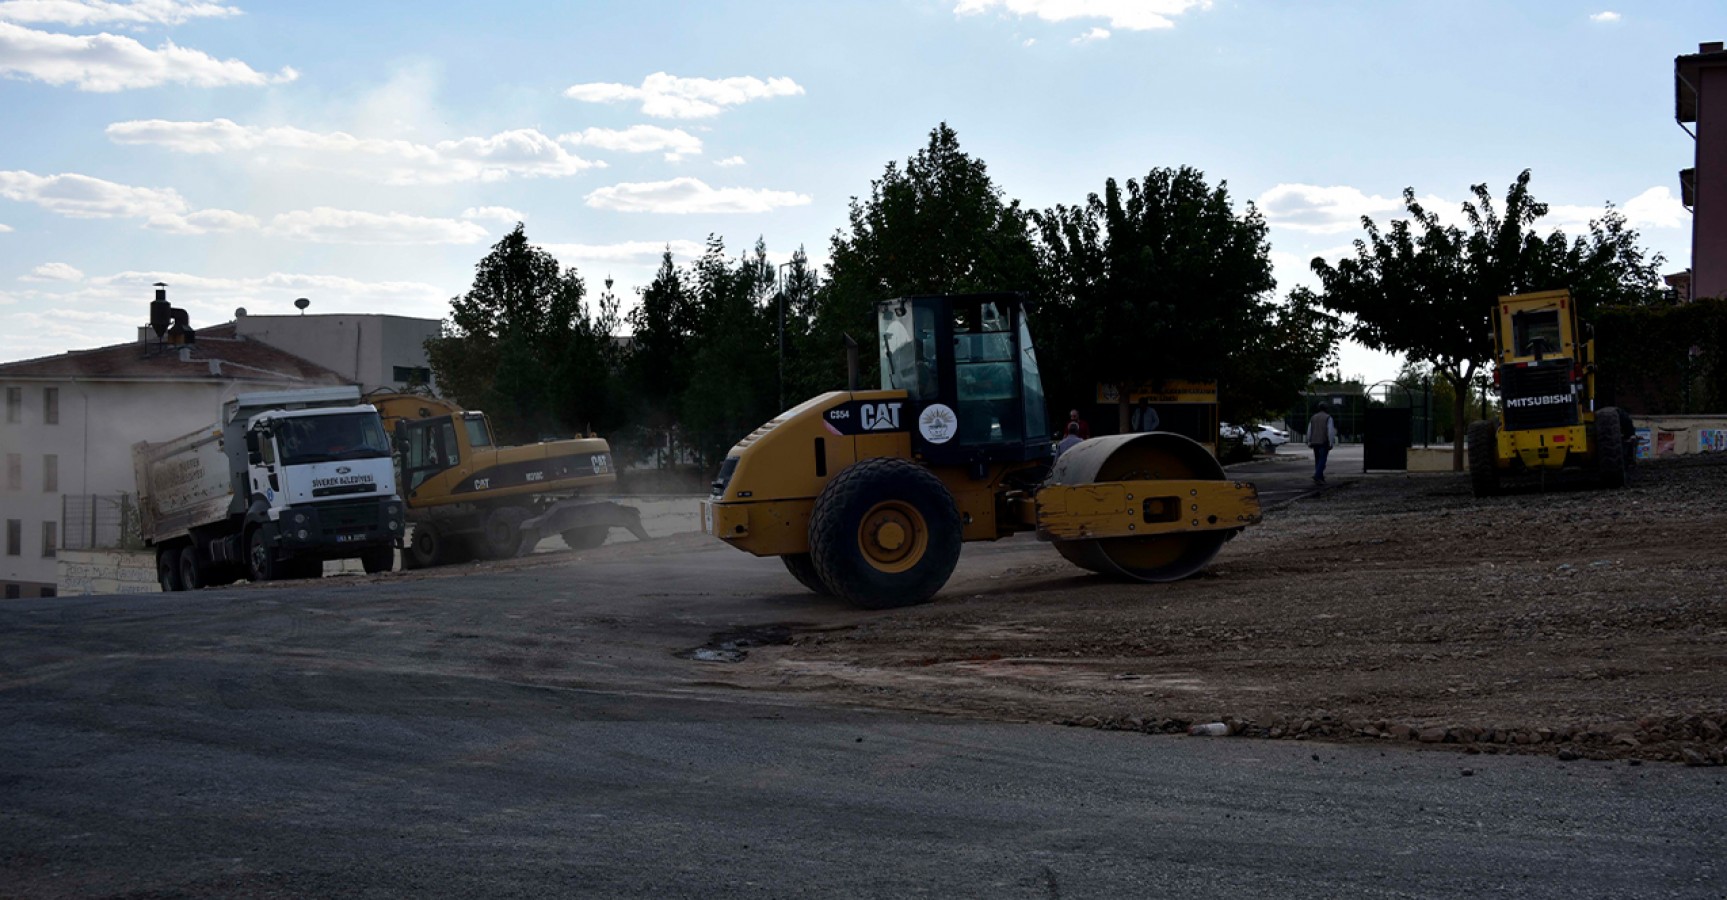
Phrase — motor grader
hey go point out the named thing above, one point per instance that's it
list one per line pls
(1544, 366)
(868, 494)
(469, 497)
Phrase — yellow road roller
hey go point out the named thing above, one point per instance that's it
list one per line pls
(868, 494)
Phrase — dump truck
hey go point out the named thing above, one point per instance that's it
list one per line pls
(869, 494)
(469, 497)
(281, 482)
(1544, 368)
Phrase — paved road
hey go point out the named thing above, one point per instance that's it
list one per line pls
(531, 731)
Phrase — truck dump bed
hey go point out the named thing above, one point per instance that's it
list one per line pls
(183, 483)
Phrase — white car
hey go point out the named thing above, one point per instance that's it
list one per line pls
(1267, 438)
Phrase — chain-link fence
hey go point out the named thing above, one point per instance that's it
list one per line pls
(99, 522)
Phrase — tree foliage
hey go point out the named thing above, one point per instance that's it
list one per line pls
(937, 226)
(1427, 289)
(522, 345)
(1164, 280)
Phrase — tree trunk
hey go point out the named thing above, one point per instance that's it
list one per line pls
(1459, 412)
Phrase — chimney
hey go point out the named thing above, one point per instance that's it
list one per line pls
(215, 368)
(169, 323)
(1709, 47)
(185, 353)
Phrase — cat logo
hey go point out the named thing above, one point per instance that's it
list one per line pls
(880, 416)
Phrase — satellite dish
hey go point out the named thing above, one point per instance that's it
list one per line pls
(301, 304)
(240, 312)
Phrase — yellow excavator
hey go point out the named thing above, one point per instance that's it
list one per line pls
(869, 494)
(468, 497)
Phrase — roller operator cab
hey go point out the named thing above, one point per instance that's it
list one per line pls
(1544, 368)
(869, 494)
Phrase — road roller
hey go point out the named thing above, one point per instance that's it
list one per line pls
(868, 494)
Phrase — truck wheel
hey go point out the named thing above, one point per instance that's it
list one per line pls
(501, 534)
(804, 570)
(378, 560)
(426, 549)
(192, 570)
(1484, 458)
(885, 533)
(1609, 448)
(168, 569)
(587, 537)
(261, 564)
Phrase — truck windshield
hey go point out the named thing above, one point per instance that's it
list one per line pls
(311, 439)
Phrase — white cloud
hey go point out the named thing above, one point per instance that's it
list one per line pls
(1130, 15)
(324, 225)
(107, 62)
(83, 197)
(675, 142)
(1656, 208)
(523, 152)
(666, 96)
(1321, 210)
(1029, 42)
(730, 161)
(54, 271)
(690, 195)
(94, 12)
(1095, 34)
(494, 214)
(204, 221)
(5, 228)
(1605, 16)
(625, 252)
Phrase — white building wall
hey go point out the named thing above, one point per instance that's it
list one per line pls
(366, 349)
(92, 443)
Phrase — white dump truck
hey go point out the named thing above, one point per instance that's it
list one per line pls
(280, 483)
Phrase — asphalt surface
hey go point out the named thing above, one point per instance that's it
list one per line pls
(541, 730)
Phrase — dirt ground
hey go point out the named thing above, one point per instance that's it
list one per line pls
(1576, 622)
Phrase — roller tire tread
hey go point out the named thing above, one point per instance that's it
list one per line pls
(839, 510)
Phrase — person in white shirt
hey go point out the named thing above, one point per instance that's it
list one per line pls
(1321, 437)
(1069, 441)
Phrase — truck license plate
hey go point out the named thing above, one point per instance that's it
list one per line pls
(349, 538)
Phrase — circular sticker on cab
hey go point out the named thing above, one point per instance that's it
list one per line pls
(938, 423)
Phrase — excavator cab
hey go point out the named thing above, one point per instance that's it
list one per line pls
(970, 374)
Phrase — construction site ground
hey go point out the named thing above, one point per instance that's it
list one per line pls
(1560, 619)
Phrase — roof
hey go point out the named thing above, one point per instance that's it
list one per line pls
(219, 355)
(1686, 71)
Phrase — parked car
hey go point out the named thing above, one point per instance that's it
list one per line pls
(1234, 443)
(1267, 438)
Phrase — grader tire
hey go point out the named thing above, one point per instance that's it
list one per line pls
(885, 533)
(1609, 448)
(804, 570)
(1484, 458)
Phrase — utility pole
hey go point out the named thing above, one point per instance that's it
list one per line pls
(781, 329)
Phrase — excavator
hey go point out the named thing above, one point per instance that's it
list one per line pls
(869, 494)
(466, 496)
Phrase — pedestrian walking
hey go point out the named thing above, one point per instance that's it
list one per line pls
(1321, 437)
(1144, 417)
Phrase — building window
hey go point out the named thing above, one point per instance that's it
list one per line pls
(14, 471)
(14, 404)
(50, 473)
(50, 592)
(12, 591)
(14, 537)
(51, 406)
(412, 375)
(50, 539)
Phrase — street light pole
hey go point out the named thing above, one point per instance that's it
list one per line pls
(780, 338)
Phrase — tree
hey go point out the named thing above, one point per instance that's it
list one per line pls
(1164, 280)
(735, 353)
(521, 344)
(938, 226)
(1428, 289)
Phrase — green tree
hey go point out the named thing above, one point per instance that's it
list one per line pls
(937, 226)
(738, 387)
(521, 344)
(1427, 289)
(1165, 280)
(658, 365)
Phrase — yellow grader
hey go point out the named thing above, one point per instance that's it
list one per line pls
(1544, 367)
(868, 495)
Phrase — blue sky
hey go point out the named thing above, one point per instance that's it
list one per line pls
(367, 155)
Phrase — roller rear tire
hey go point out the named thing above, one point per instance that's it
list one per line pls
(885, 533)
(1609, 448)
(804, 570)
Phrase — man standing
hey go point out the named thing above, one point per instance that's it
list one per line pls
(1074, 419)
(1068, 441)
(1321, 437)
(1144, 417)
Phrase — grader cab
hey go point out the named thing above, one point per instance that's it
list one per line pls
(869, 494)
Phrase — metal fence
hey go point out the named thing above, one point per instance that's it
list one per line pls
(99, 522)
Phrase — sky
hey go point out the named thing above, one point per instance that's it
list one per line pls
(367, 155)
